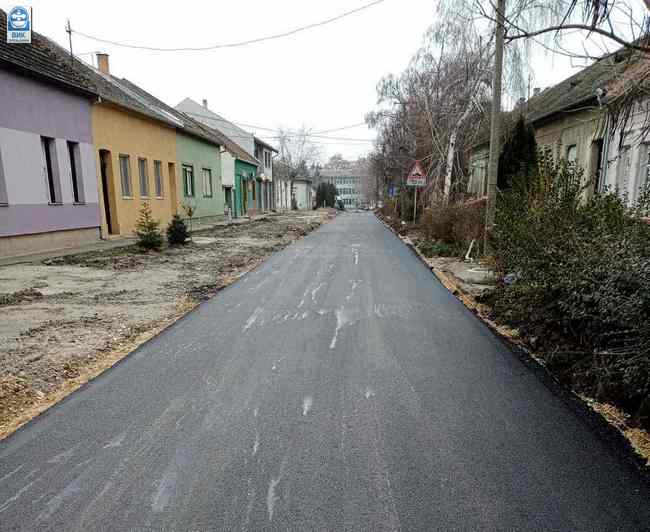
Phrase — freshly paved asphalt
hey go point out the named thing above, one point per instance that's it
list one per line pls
(338, 387)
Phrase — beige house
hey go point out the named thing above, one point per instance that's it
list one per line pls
(569, 119)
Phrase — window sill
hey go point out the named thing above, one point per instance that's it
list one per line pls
(127, 197)
(4, 205)
(55, 204)
(160, 197)
(210, 196)
(79, 203)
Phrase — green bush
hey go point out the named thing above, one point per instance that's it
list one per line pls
(582, 281)
(436, 248)
(146, 230)
(177, 233)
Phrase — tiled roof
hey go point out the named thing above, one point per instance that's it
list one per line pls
(580, 89)
(226, 129)
(42, 58)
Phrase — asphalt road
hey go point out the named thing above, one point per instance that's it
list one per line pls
(337, 387)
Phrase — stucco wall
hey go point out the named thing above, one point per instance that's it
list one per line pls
(30, 105)
(30, 109)
(200, 155)
(124, 133)
(227, 169)
(579, 128)
(302, 192)
(243, 173)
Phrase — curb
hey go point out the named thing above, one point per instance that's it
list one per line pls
(612, 435)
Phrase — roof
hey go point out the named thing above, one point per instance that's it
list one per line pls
(185, 123)
(581, 88)
(265, 144)
(242, 138)
(44, 59)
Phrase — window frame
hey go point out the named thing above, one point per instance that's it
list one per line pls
(158, 180)
(126, 194)
(52, 175)
(203, 174)
(184, 169)
(76, 176)
(143, 178)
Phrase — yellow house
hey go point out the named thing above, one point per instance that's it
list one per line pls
(135, 145)
(136, 161)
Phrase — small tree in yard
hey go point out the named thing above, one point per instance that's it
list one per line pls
(518, 155)
(177, 232)
(146, 229)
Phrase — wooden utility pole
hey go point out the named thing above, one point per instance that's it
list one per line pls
(495, 134)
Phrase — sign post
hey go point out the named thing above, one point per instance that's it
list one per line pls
(416, 178)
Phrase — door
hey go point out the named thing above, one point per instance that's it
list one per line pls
(106, 171)
(173, 199)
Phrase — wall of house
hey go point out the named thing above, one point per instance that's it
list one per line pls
(282, 193)
(302, 194)
(244, 178)
(31, 109)
(125, 133)
(198, 154)
(627, 166)
(581, 129)
(479, 157)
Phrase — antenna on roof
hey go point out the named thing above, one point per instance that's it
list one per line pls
(68, 29)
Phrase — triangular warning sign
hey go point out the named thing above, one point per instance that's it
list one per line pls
(416, 177)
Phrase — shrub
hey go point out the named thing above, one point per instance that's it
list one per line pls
(582, 270)
(436, 248)
(177, 232)
(149, 236)
(455, 224)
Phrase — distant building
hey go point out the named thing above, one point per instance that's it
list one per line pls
(349, 180)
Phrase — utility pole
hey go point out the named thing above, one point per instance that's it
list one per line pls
(495, 136)
(68, 29)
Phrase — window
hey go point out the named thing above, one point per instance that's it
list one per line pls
(4, 200)
(188, 180)
(267, 159)
(207, 183)
(125, 176)
(644, 169)
(144, 178)
(75, 172)
(572, 153)
(623, 170)
(51, 170)
(158, 179)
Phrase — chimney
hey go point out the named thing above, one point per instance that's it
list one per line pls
(102, 63)
(205, 103)
(536, 91)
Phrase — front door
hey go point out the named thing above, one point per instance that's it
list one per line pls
(105, 168)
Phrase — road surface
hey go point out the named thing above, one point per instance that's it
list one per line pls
(337, 387)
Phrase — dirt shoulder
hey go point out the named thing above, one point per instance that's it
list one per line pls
(67, 319)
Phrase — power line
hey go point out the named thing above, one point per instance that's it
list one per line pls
(340, 128)
(234, 44)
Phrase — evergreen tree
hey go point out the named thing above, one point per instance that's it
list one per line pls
(518, 154)
(177, 232)
(146, 229)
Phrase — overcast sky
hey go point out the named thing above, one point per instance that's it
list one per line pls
(324, 78)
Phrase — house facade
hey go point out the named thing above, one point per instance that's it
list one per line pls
(48, 189)
(302, 193)
(199, 165)
(242, 188)
(570, 120)
(264, 153)
(136, 159)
